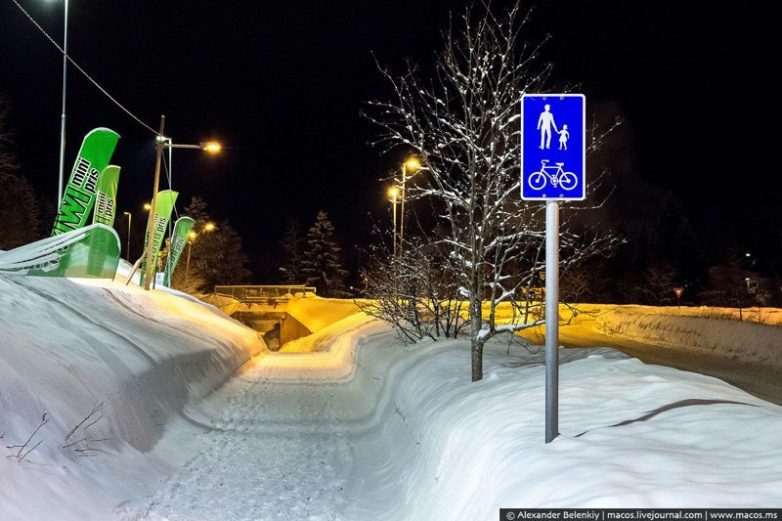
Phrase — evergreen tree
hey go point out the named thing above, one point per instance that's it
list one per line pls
(197, 210)
(216, 255)
(19, 207)
(291, 246)
(218, 258)
(321, 263)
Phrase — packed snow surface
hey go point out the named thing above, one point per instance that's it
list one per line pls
(349, 424)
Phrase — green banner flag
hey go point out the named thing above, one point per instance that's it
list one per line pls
(165, 204)
(106, 196)
(79, 196)
(92, 251)
(178, 241)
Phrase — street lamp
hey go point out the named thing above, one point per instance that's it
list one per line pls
(393, 194)
(212, 147)
(130, 218)
(62, 116)
(411, 164)
(161, 142)
(678, 291)
(147, 207)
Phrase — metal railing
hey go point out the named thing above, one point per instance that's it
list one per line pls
(265, 294)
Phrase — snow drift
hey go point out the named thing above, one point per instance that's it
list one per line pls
(633, 435)
(111, 367)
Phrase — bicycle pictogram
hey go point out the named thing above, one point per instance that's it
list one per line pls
(565, 180)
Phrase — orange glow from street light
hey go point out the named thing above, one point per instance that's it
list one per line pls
(147, 206)
(210, 227)
(192, 235)
(413, 163)
(393, 193)
(212, 147)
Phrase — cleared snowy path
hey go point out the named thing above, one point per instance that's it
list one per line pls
(279, 450)
(265, 463)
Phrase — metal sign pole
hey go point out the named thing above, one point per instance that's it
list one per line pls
(552, 320)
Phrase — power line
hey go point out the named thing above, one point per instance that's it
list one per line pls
(78, 68)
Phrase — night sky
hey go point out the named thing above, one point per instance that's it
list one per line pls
(281, 84)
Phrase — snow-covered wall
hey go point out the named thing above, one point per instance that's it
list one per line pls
(318, 313)
(752, 342)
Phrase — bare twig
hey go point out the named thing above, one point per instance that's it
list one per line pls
(82, 445)
(97, 409)
(21, 454)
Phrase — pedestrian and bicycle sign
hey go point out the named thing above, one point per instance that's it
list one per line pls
(553, 169)
(553, 151)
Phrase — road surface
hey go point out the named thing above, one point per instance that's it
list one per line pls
(763, 382)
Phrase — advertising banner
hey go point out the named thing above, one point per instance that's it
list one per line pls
(80, 192)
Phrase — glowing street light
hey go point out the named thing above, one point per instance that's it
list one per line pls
(161, 142)
(393, 195)
(212, 147)
(147, 207)
(411, 164)
(678, 291)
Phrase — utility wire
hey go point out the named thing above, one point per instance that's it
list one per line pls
(78, 67)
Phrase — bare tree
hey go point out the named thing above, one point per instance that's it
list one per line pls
(416, 292)
(464, 123)
(659, 280)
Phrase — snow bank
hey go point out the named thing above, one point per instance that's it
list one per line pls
(125, 360)
(633, 435)
(227, 305)
(752, 342)
(316, 313)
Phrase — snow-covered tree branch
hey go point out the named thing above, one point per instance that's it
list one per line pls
(464, 124)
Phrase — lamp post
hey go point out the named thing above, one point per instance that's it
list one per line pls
(130, 218)
(393, 194)
(62, 116)
(162, 142)
(411, 164)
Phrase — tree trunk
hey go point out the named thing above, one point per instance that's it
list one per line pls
(477, 359)
(476, 342)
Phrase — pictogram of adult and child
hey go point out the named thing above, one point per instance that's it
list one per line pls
(545, 124)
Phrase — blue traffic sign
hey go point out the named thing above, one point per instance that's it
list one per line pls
(553, 150)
